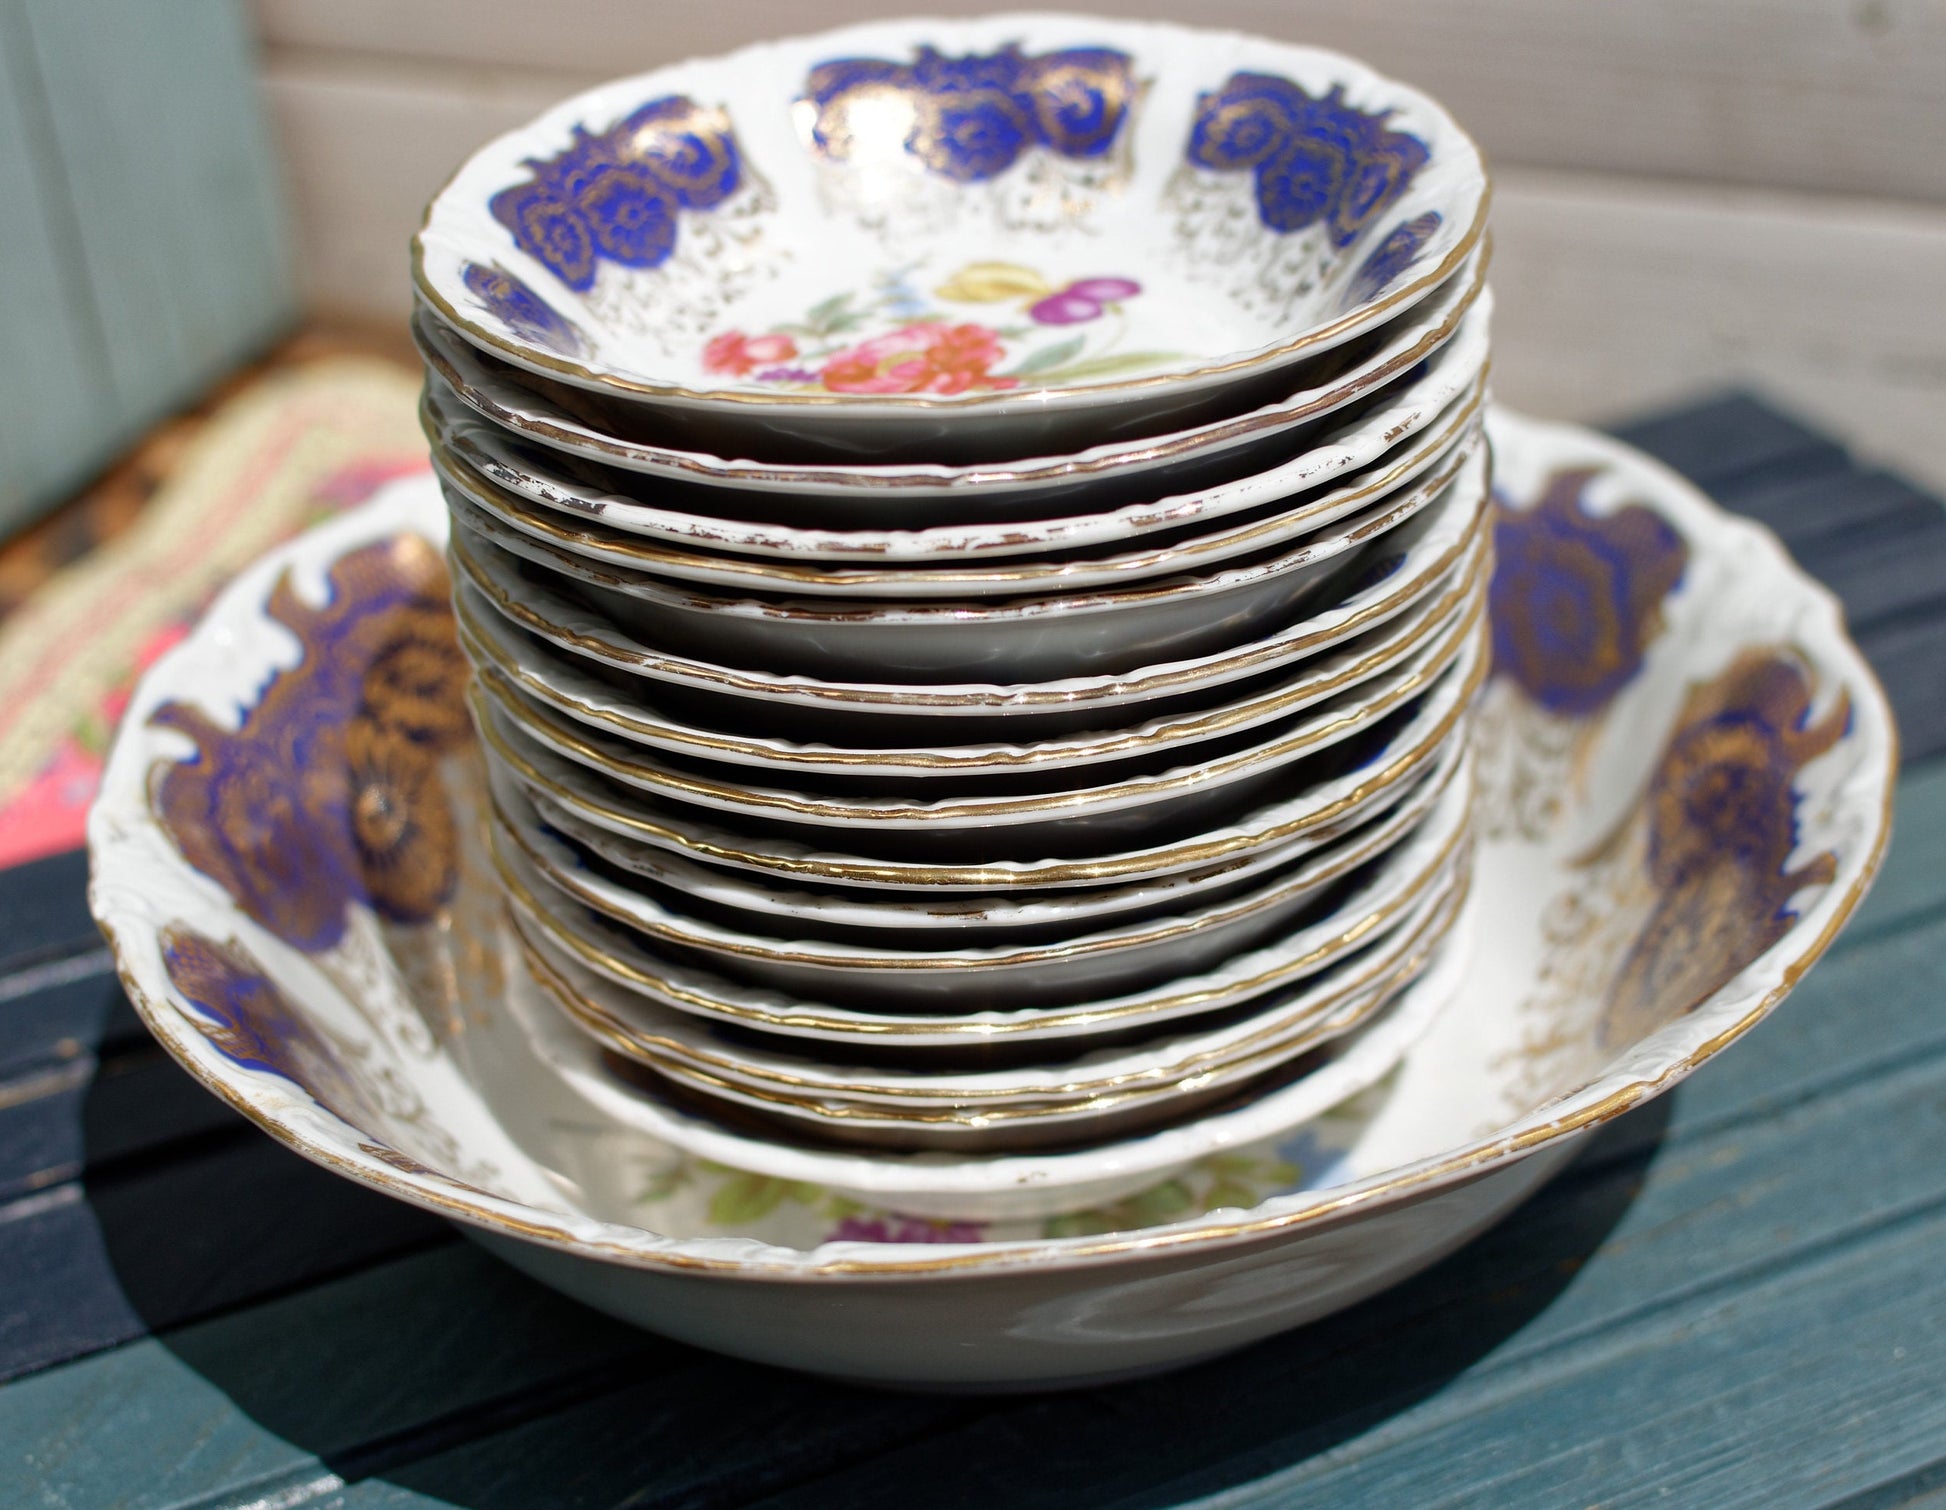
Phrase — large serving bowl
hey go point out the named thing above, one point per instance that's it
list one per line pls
(1004, 233)
(585, 507)
(929, 493)
(1670, 832)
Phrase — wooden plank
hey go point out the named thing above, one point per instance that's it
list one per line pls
(1810, 94)
(1824, 510)
(436, 1345)
(1911, 660)
(164, 160)
(1735, 443)
(63, 1008)
(53, 361)
(155, 1245)
(45, 903)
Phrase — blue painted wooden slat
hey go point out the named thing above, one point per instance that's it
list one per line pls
(1735, 444)
(1810, 511)
(44, 912)
(63, 1007)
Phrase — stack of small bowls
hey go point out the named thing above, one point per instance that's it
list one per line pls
(973, 555)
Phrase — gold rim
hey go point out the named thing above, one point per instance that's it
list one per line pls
(1182, 1003)
(569, 532)
(986, 877)
(585, 440)
(702, 674)
(1318, 868)
(1322, 1020)
(1320, 733)
(1343, 534)
(482, 644)
(1053, 1022)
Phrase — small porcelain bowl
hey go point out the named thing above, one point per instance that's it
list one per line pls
(988, 1184)
(1137, 1059)
(360, 1003)
(1014, 230)
(1066, 814)
(1399, 569)
(1361, 882)
(677, 528)
(1007, 1034)
(1041, 637)
(917, 920)
(1372, 771)
(878, 494)
(641, 712)
(1110, 1096)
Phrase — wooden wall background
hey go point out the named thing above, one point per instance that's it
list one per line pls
(1690, 193)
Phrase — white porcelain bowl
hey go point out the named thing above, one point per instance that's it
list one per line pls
(678, 528)
(1015, 229)
(928, 493)
(1125, 1095)
(374, 1044)
(1006, 1033)
(931, 822)
(1400, 569)
(643, 714)
(1341, 889)
(916, 919)
(1022, 638)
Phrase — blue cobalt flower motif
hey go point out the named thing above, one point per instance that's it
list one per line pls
(1391, 257)
(330, 792)
(1316, 161)
(522, 311)
(615, 196)
(1722, 828)
(1576, 599)
(251, 1022)
(972, 117)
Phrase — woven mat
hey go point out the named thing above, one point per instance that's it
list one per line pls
(298, 447)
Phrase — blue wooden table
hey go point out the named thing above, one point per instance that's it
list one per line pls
(1736, 1296)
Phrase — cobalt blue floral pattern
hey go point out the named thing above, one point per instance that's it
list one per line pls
(1317, 161)
(251, 1023)
(1390, 259)
(330, 792)
(1722, 826)
(522, 311)
(615, 196)
(972, 117)
(1576, 598)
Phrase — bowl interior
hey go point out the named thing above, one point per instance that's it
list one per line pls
(1005, 211)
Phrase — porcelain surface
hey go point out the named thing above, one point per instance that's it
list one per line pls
(1685, 791)
(1005, 1032)
(1074, 1079)
(916, 920)
(1045, 223)
(1070, 812)
(561, 682)
(586, 507)
(849, 494)
(1397, 570)
(1383, 873)
(1023, 638)
(950, 847)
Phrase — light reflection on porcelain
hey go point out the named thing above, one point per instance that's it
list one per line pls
(1030, 141)
(1749, 682)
